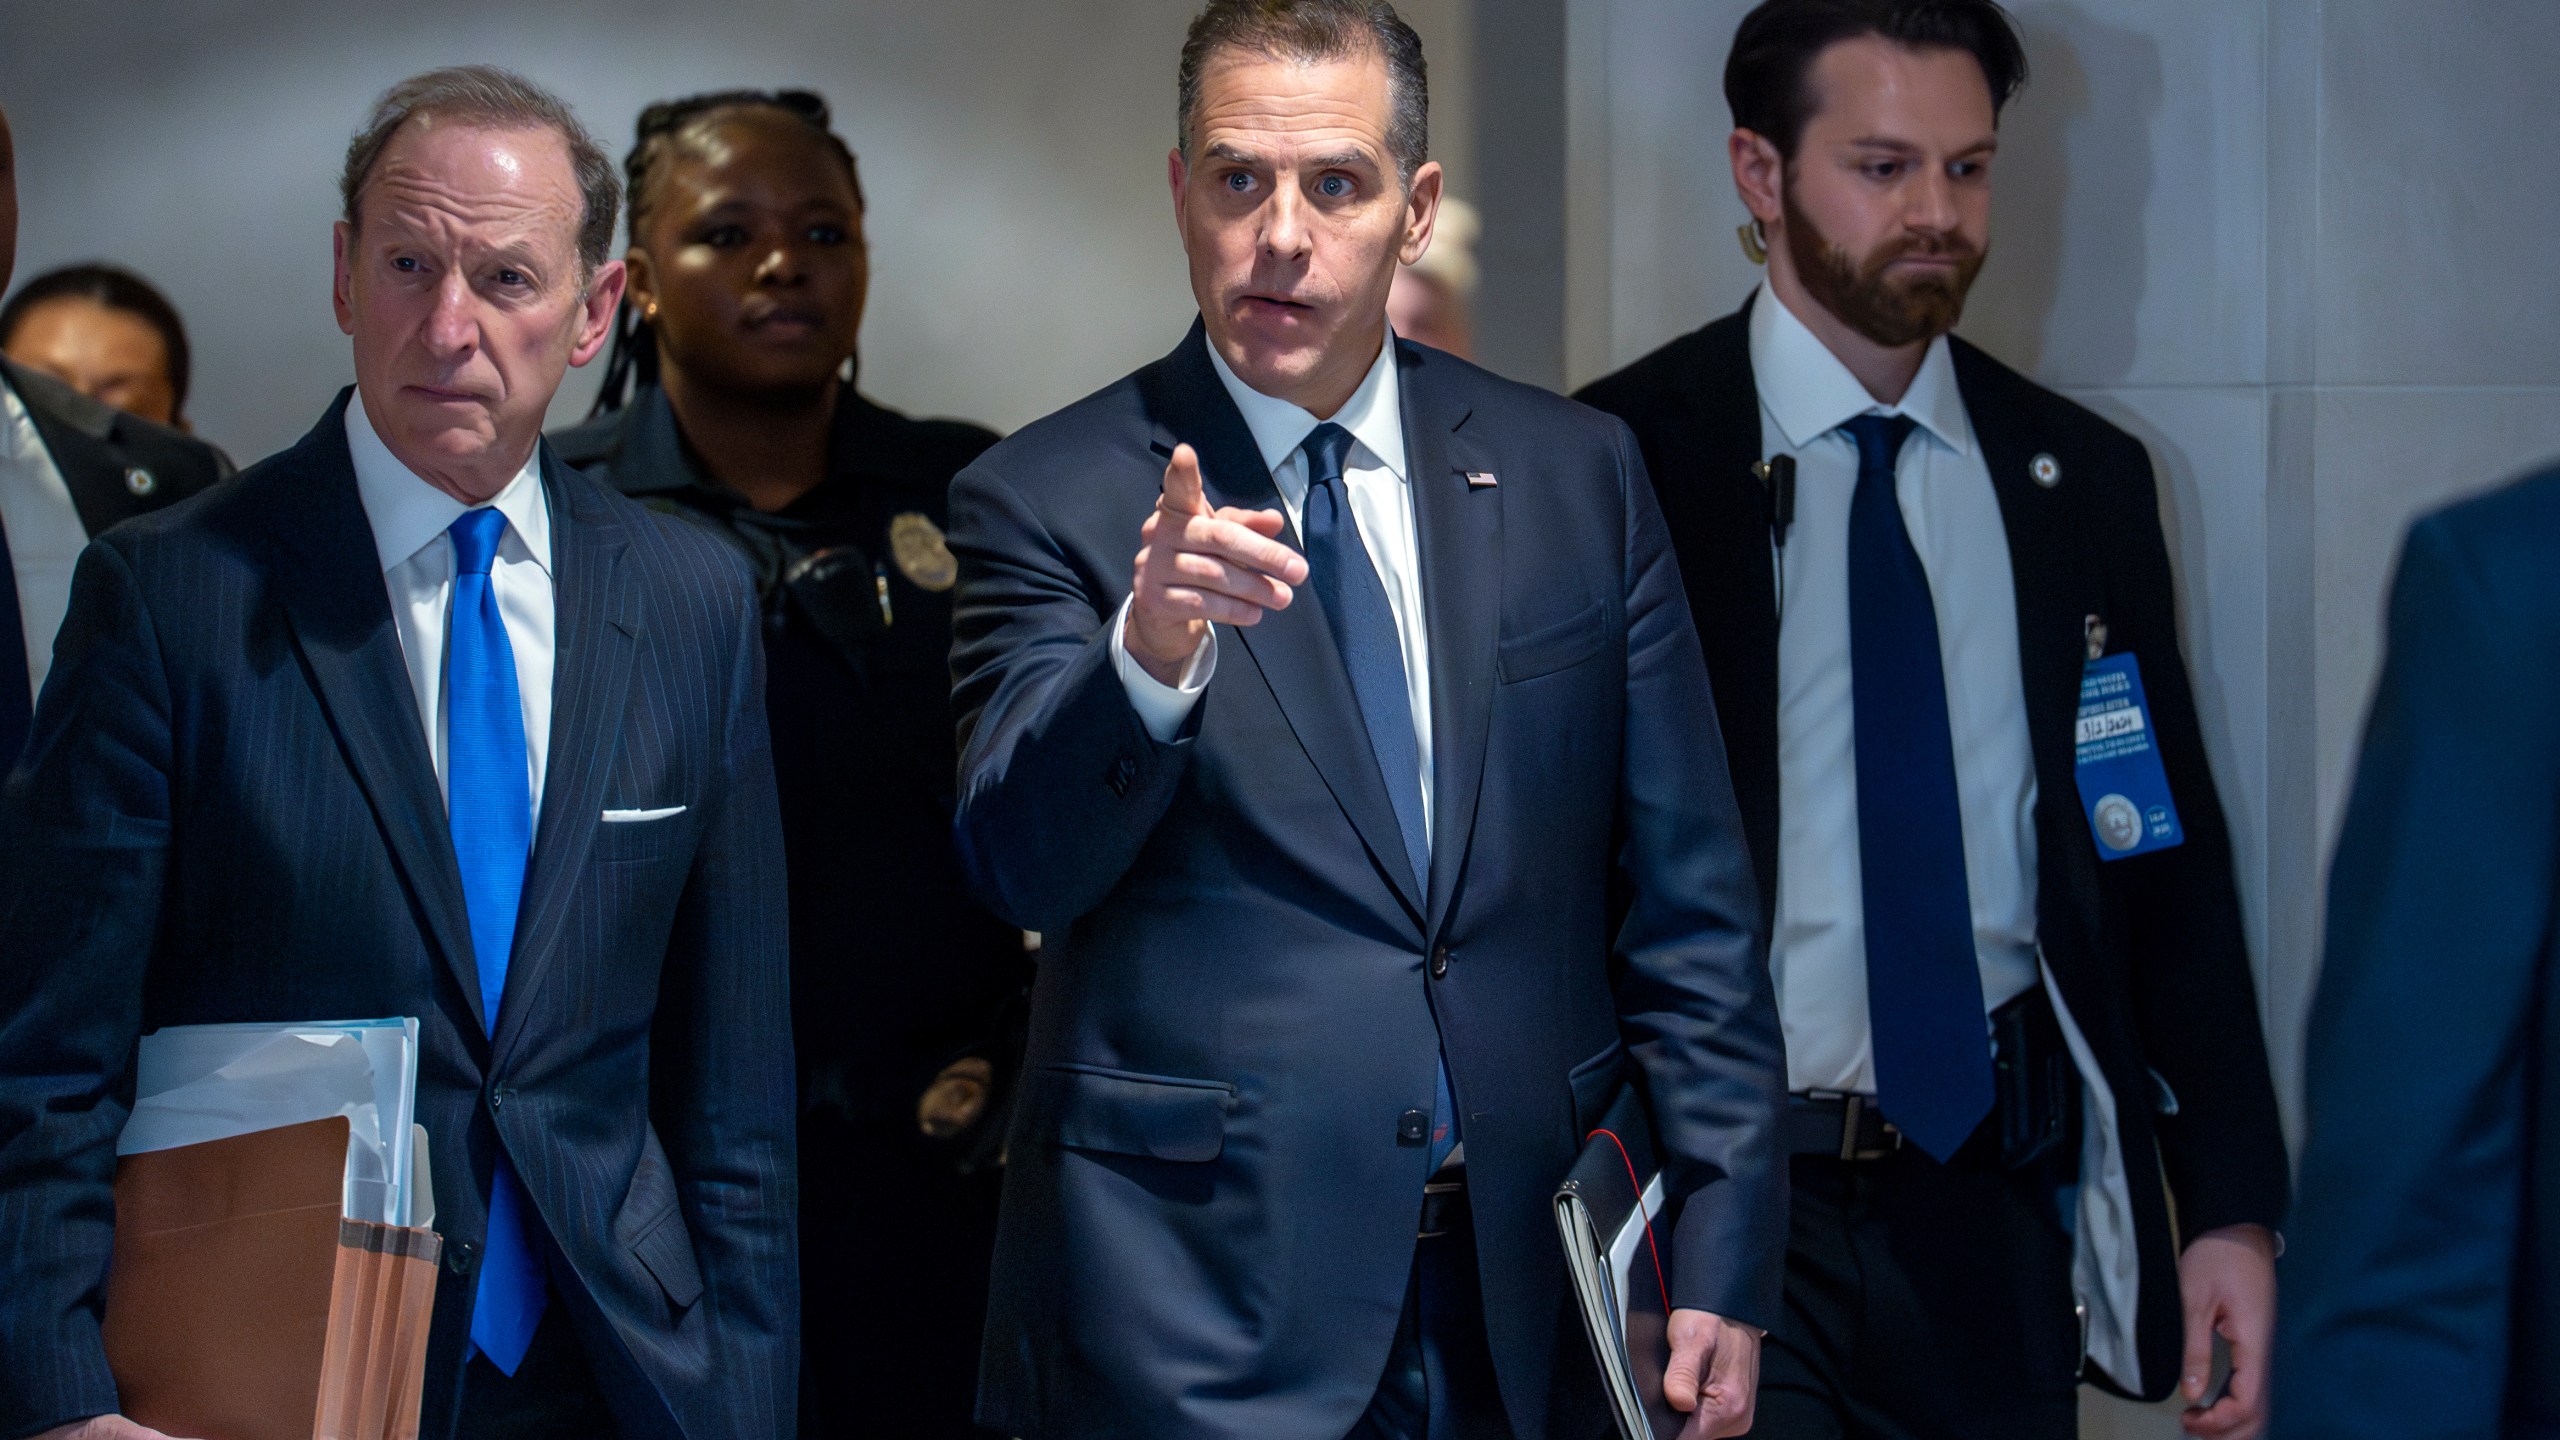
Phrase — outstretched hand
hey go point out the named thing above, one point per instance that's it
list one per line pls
(1714, 1375)
(1197, 566)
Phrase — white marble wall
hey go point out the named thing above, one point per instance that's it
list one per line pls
(1024, 252)
(2303, 248)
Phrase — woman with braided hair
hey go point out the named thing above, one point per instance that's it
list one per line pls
(729, 400)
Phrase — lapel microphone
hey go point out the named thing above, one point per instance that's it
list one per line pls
(1777, 476)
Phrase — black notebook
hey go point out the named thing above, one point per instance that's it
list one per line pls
(1610, 1212)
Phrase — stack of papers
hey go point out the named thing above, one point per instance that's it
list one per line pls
(274, 1275)
(195, 1083)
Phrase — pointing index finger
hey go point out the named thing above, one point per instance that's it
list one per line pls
(1182, 493)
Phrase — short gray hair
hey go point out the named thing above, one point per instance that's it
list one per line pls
(1317, 30)
(499, 99)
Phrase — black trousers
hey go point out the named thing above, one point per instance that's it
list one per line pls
(1924, 1302)
(1439, 1381)
(893, 1283)
(552, 1393)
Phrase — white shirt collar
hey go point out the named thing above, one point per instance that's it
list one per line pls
(1374, 414)
(407, 513)
(1810, 393)
(19, 439)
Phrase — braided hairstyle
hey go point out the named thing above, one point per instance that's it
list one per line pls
(633, 361)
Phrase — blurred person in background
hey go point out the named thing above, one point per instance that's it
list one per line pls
(69, 468)
(730, 401)
(1432, 301)
(105, 332)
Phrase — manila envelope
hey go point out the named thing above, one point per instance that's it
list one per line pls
(243, 1305)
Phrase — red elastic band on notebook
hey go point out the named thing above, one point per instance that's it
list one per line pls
(1648, 1220)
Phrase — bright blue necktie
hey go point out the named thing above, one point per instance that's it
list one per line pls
(1364, 630)
(489, 802)
(1924, 984)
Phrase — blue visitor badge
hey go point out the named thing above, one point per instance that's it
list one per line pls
(2122, 786)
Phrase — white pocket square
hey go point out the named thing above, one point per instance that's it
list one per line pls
(634, 817)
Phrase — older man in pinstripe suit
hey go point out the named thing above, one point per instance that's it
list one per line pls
(413, 720)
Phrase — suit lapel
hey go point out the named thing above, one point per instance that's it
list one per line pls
(1459, 529)
(79, 433)
(2056, 587)
(1293, 648)
(331, 588)
(596, 629)
(1726, 567)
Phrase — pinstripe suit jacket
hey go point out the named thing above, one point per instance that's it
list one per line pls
(227, 813)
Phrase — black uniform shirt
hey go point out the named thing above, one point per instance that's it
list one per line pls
(895, 970)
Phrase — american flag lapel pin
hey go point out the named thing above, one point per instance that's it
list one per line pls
(1480, 480)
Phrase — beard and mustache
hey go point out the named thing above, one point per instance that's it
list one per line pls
(1889, 311)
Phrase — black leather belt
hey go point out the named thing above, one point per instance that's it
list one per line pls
(1844, 1127)
(2035, 1106)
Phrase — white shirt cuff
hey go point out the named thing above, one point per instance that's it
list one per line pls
(1162, 708)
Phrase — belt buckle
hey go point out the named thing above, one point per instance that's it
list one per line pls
(1853, 1109)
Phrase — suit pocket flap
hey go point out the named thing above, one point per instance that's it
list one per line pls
(1124, 1113)
(1553, 647)
(667, 1251)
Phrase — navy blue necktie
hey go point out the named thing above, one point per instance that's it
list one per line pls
(1364, 630)
(1924, 983)
(489, 802)
(17, 702)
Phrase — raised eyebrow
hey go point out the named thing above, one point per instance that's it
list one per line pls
(1343, 160)
(1234, 156)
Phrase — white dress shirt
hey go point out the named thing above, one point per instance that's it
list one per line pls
(1381, 500)
(45, 533)
(409, 519)
(1818, 950)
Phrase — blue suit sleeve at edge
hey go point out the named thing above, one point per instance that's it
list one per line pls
(2404, 1236)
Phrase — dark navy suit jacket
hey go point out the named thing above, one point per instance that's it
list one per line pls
(2422, 1287)
(227, 812)
(1209, 1214)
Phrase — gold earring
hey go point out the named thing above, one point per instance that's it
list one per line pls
(649, 312)
(1755, 242)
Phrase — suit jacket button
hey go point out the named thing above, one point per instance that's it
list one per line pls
(1440, 963)
(457, 1256)
(1413, 1127)
(498, 1097)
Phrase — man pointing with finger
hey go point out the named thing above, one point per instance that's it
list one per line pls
(1378, 824)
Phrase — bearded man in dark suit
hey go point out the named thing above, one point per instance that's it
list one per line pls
(2014, 1006)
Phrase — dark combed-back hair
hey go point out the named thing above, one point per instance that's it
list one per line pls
(634, 359)
(1766, 78)
(500, 99)
(1309, 31)
(115, 289)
